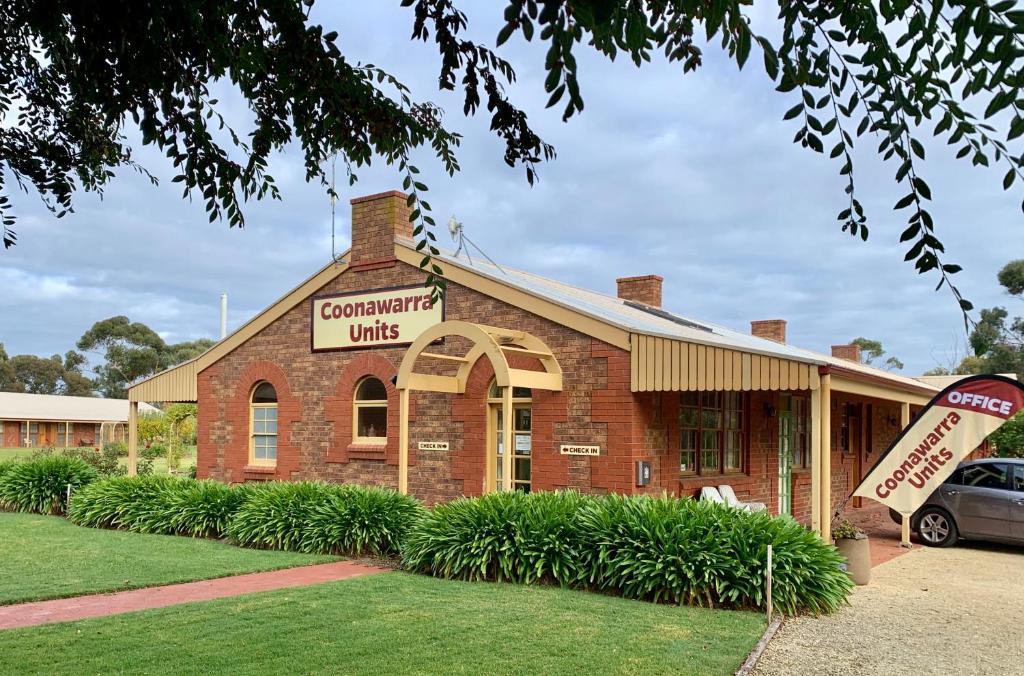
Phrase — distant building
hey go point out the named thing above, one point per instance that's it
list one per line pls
(40, 420)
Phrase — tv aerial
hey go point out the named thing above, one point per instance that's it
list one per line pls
(458, 233)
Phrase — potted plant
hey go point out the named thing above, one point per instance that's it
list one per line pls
(853, 544)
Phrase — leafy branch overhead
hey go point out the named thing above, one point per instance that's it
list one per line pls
(73, 78)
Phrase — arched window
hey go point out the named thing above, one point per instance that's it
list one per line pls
(263, 433)
(370, 414)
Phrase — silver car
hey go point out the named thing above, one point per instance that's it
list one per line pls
(981, 500)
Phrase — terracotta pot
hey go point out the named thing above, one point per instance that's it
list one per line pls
(857, 553)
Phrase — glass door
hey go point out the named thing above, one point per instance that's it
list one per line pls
(522, 441)
(785, 463)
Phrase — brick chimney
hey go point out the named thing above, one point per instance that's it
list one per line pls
(772, 329)
(645, 289)
(848, 352)
(376, 220)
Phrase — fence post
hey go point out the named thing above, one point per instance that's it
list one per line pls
(768, 585)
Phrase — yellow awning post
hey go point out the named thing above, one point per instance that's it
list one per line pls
(506, 438)
(133, 438)
(825, 475)
(905, 521)
(403, 441)
(817, 411)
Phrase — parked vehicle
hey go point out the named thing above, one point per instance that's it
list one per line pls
(981, 500)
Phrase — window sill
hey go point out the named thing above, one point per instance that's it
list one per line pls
(259, 472)
(364, 451)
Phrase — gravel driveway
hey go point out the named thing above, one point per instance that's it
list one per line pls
(950, 611)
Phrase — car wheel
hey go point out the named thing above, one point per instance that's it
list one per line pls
(937, 528)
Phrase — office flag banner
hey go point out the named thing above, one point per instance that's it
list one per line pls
(952, 425)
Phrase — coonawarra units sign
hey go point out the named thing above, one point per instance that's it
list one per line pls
(952, 425)
(373, 318)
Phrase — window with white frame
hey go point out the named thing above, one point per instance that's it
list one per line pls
(263, 436)
(370, 412)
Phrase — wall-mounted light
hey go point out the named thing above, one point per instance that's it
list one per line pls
(893, 422)
(769, 410)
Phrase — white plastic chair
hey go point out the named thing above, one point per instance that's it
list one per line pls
(710, 494)
(729, 497)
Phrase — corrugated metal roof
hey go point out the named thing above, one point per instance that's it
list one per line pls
(618, 312)
(21, 406)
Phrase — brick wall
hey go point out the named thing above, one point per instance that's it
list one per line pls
(315, 399)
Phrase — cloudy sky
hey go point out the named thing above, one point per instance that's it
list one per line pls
(691, 177)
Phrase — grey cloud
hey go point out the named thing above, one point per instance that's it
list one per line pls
(693, 178)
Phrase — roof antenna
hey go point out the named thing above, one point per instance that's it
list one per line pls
(458, 233)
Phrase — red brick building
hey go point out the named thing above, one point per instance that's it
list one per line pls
(607, 393)
(48, 420)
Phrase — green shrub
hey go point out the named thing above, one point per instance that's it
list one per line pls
(153, 451)
(205, 508)
(687, 551)
(118, 449)
(312, 516)
(658, 549)
(140, 504)
(500, 536)
(104, 461)
(357, 520)
(41, 485)
(274, 515)
(5, 466)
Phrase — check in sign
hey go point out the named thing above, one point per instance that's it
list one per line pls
(577, 449)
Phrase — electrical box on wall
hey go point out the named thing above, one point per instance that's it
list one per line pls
(643, 472)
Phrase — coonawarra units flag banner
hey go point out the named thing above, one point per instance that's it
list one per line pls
(952, 425)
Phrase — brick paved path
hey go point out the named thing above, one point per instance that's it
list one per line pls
(96, 605)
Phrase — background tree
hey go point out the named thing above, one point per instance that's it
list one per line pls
(893, 70)
(39, 375)
(8, 378)
(130, 351)
(872, 353)
(997, 340)
(152, 427)
(1009, 439)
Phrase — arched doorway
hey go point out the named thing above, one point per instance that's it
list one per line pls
(494, 343)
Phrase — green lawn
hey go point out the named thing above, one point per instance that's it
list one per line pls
(45, 557)
(188, 459)
(14, 453)
(395, 623)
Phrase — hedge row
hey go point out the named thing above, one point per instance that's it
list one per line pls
(658, 549)
(306, 516)
(41, 485)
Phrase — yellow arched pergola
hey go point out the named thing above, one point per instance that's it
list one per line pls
(490, 341)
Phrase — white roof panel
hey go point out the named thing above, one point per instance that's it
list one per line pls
(21, 406)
